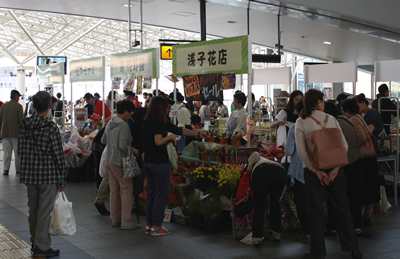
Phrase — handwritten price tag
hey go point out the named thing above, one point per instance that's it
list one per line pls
(167, 215)
(226, 203)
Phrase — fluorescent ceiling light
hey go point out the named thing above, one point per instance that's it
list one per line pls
(327, 42)
(126, 5)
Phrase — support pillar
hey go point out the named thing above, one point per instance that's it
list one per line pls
(21, 84)
(203, 27)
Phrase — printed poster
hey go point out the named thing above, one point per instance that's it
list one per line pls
(139, 87)
(147, 80)
(228, 81)
(116, 83)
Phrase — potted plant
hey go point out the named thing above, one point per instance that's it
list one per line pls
(217, 154)
(193, 207)
(200, 151)
(216, 138)
(222, 139)
(211, 136)
(229, 139)
(236, 139)
(211, 210)
(204, 154)
(175, 176)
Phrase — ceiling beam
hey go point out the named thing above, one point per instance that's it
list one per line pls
(78, 38)
(57, 41)
(26, 31)
(9, 54)
(19, 39)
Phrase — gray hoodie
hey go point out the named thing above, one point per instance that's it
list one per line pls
(117, 138)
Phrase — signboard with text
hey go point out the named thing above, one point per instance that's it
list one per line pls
(50, 74)
(243, 154)
(90, 69)
(141, 62)
(203, 87)
(229, 55)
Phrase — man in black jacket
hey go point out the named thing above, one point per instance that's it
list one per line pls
(385, 104)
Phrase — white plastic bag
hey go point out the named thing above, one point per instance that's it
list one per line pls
(281, 135)
(62, 217)
(173, 156)
(102, 166)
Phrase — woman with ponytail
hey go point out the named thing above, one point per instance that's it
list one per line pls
(317, 181)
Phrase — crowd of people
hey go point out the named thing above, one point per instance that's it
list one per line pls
(147, 131)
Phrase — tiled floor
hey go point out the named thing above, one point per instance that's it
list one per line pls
(95, 238)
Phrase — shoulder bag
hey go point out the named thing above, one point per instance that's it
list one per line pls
(130, 166)
(370, 147)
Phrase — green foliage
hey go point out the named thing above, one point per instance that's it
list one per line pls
(193, 204)
(211, 207)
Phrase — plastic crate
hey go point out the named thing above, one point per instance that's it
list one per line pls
(180, 220)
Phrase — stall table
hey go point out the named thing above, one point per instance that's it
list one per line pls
(387, 160)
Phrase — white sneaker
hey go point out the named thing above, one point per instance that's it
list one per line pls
(130, 225)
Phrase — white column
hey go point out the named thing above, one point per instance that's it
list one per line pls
(21, 84)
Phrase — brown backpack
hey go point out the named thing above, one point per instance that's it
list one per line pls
(329, 152)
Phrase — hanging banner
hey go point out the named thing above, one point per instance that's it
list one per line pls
(147, 81)
(202, 87)
(129, 82)
(139, 85)
(90, 69)
(50, 74)
(210, 86)
(228, 81)
(141, 62)
(230, 55)
(191, 86)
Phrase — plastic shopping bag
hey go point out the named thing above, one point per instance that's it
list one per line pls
(173, 156)
(102, 166)
(281, 135)
(62, 217)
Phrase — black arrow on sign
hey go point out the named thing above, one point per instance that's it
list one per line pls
(169, 51)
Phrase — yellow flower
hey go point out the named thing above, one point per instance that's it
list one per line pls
(202, 176)
(197, 176)
(225, 181)
(220, 185)
(212, 178)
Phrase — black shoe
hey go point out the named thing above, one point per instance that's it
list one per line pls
(303, 238)
(48, 253)
(331, 232)
(310, 256)
(32, 247)
(5, 172)
(101, 208)
(356, 254)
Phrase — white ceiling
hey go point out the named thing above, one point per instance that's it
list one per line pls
(298, 36)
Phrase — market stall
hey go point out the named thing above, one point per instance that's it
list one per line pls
(389, 71)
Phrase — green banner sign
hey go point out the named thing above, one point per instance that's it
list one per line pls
(230, 55)
(141, 62)
(90, 69)
(50, 74)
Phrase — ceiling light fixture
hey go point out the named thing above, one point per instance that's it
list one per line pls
(126, 5)
(327, 42)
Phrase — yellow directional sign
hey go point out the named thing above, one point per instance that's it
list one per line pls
(166, 51)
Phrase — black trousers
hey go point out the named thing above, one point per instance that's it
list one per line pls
(338, 197)
(267, 179)
(353, 174)
(300, 200)
(97, 158)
